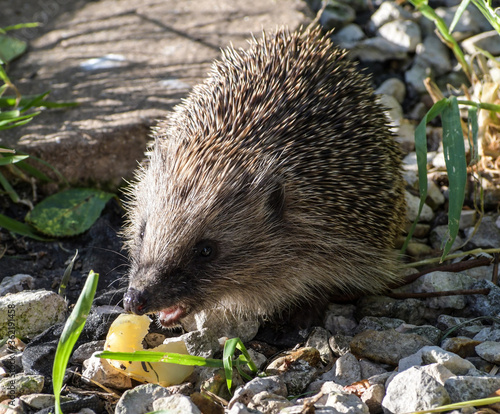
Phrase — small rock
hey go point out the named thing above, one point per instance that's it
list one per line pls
(16, 283)
(485, 305)
(403, 33)
(99, 321)
(373, 397)
(388, 11)
(176, 404)
(336, 14)
(378, 324)
(414, 390)
(415, 75)
(377, 49)
(435, 197)
(348, 36)
(99, 370)
(273, 385)
(339, 344)
(394, 87)
(298, 368)
(388, 346)
(462, 346)
(446, 322)
(430, 332)
(439, 235)
(490, 351)
(140, 399)
(394, 111)
(370, 369)
(86, 350)
(434, 354)
(347, 403)
(405, 135)
(239, 408)
(38, 401)
(487, 234)
(345, 371)
(200, 343)
(339, 319)
(269, 403)
(20, 384)
(488, 334)
(467, 218)
(471, 388)
(318, 338)
(30, 312)
(413, 203)
(434, 53)
(417, 249)
(410, 310)
(440, 282)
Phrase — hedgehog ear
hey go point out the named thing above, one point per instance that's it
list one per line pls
(276, 200)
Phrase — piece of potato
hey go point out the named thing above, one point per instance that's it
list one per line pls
(126, 335)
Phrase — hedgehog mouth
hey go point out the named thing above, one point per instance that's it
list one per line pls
(171, 316)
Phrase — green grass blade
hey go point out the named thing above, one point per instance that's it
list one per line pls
(35, 172)
(19, 228)
(456, 166)
(170, 357)
(66, 275)
(20, 26)
(10, 115)
(489, 13)
(35, 102)
(421, 151)
(473, 127)
(70, 334)
(9, 101)
(227, 359)
(9, 189)
(458, 14)
(12, 159)
(463, 404)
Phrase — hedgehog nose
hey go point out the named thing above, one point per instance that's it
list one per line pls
(135, 301)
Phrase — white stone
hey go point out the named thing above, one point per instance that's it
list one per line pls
(100, 371)
(412, 204)
(176, 404)
(30, 312)
(394, 87)
(403, 33)
(414, 390)
(490, 351)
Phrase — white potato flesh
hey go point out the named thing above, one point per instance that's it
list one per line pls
(126, 335)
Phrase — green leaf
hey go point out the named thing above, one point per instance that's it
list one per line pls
(69, 212)
(473, 130)
(20, 26)
(458, 14)
(12, 159)
(20, 228)
(456, 166)
(421, 151)
(70, 334)
(169, 357)
(11, 48)
(9, 101)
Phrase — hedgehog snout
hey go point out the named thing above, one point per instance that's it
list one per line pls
(135, 301)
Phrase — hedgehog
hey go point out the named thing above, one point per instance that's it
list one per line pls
(274, 185)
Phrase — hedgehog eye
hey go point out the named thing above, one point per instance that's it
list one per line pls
(205, 250)
(142, 230)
